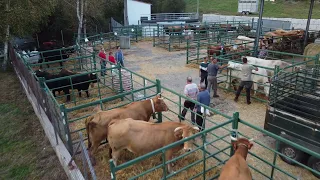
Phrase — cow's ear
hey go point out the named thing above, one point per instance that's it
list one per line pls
(178, 132)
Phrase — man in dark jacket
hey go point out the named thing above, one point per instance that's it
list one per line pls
(203, 98)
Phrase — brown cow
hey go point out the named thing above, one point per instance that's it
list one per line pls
(237, 167)
(141, 137)
(97, 124)
(216, 50)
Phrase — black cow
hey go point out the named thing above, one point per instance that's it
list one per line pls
(80, 82)
(53, 55)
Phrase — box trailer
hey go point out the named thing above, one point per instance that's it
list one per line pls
(248, 6)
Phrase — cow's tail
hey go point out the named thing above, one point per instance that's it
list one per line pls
(88, 122)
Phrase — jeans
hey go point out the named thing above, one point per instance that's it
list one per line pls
(199, 121)
(204, 77)
(103, 68)
(212, 82)
(247, 85)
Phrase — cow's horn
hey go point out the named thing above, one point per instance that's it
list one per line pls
(93, 73)
(177, 129)
(251, 140)
(196, 128)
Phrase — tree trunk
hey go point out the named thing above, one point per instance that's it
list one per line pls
(80, 18)
(5, 53)
(85, 18)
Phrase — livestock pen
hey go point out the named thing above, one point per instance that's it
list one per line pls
(292, 62)
(212, 153)
(175, 37)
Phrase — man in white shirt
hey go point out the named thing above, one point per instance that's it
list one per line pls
(191, 90)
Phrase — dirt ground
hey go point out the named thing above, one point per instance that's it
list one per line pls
(25, 151)
(169, 67)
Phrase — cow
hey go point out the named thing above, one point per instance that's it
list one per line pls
(81, 82)
(98, 123)
(260, 76)
(271, 64)
(141, 137)
(237, 167)
(49, 53)
(216, 50)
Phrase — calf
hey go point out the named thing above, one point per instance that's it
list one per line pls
(260, 76)
(217, 50)
(97, 124)
(237, 167)
(141, 137)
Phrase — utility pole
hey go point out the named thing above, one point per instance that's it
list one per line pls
(197, 8)
(125, 11)
(259, 29)
(306, 34)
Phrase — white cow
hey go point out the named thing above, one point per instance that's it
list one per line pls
(245, 39)
(259, 76)
(270, 64)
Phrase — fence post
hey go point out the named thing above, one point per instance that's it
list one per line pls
(159, 91)
(120, 80)
(41, 82)
(94, 59)
(66, 127)
(188, 44)
(101, 39)
(198, 46)
(234, 132)
(154, 38)
(112, 169)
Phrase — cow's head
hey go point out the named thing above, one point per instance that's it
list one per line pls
(159, 104)
(242, 142)
(93, 79)
(185, 132)
(40, 73)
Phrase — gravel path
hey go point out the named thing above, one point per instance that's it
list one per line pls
(169, 67)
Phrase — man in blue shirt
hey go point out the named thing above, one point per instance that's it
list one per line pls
(203, 98)
(119, 56)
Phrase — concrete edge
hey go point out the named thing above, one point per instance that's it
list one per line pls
(60, 149)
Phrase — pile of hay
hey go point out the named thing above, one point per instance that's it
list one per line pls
(102, 168)
(311, 50)
(192, 65)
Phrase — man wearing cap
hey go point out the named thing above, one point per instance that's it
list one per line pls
(191, 91)
(203, 98)
(213, 68)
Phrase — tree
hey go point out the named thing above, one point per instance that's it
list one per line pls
(21, 18)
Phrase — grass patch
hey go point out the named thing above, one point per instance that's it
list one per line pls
(24, 149)
(279, 8)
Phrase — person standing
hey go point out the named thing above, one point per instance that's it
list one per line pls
(213, 68)
(103, 61)
(119, 56)
(203, 98)
(111, 58)
(246, 79)
(191, 91)
(203, 72)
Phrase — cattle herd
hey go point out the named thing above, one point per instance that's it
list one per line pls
(128, 128)
(79, 82)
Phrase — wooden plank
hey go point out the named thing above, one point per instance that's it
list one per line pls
(60, 149)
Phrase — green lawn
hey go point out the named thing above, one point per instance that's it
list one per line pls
(280, 8)
(24, 149)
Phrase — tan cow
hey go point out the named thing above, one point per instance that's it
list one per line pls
(141, 137)
(237, 167)
(97, 124)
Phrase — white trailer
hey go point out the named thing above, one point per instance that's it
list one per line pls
(248, 6)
